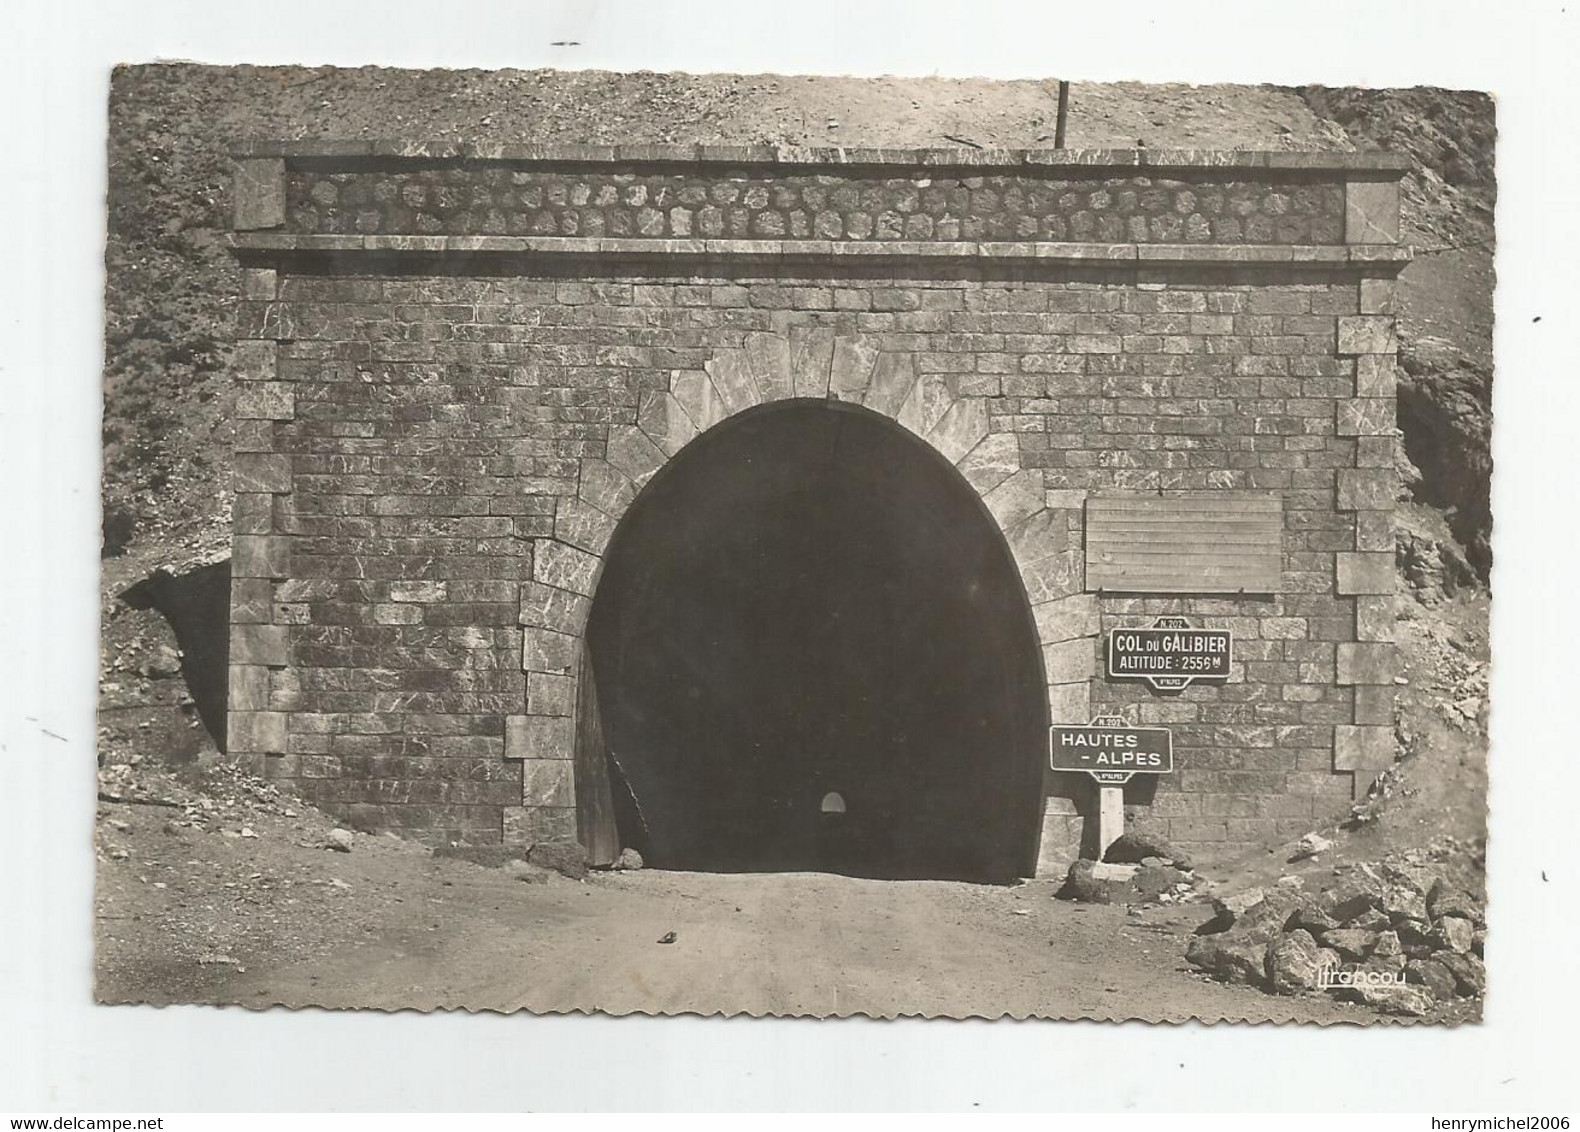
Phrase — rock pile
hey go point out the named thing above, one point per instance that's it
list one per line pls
(1138, 868)
(1392, 936)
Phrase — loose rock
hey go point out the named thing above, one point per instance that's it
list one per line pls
(1445, 900)
(1353, 944)
(1470, 974)
(629, 860)
(1455, 934)
(1134, 847)
(1294, 961)
(1432, 975)
(567, 858)
(340, 840)
(1309, 846)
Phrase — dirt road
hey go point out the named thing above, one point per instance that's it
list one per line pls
(198, 916)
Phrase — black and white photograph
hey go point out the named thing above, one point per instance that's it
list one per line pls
(795, 545)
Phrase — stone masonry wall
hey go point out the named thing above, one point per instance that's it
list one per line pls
(433, 452)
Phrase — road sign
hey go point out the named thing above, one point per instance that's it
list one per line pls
(1169, 654)
(1111, 750)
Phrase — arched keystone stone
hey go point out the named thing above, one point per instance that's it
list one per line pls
(544, 650)
(1053, 576)
(582, 525)
(851, 372)
(633, 453)
(605, 487)
(960, 428)
(1016, 499)
(1065, 618)
(565, 567)
(1038, 535)
(665, 421)
(548, 607)
(1071, 703)
(993, 460)
(769, 357)
(695, 393)
(936, 400)
(1070, 662)
(732, 377)
(893, 378)
(811, 359)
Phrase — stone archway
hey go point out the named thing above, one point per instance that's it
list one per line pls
(802, 363)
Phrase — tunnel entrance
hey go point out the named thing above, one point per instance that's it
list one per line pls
(813, 652)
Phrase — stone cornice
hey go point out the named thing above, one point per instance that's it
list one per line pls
(1361, 165)
(1379, 258)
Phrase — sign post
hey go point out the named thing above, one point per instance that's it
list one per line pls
(1169, 654)
(1111, 751)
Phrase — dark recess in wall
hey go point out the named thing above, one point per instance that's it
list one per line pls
(809, 601)
(197, 606)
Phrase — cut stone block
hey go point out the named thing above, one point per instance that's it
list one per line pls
(539, 737)
(769, 358)
(1365, 663)
(533, 825)
(260, 284)
(1067, 618)
(548, 782)
(1374, 705)
(1362, 748)
(261, 472)
(266, 401)
(420, 591)
(960, 428)
(1366, 334)
(547, 607)
(893, 379)
(631, 452)
(1071, 661)
(1370, 572)
(1375, 376)
(255, 732)
(1374, 531)
(1367, 489)
(260, 556)
(605, 487)
(564, 566)
(1070, 703)
(1365, 416)
(851, 370)
(732, 377)
(1375, 618)
(1016, 499)
(582, 525)
(256, 360)
(695, 393)
(544, 650)
(258, 193)
(259, 644)
(251, 600)
(1371, 212)
(248, 689)
(993, 460)
(1379, 296)
(665, 422)
(811, 359)
(548, 694)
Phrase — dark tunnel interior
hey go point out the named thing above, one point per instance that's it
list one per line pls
(813, 652)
